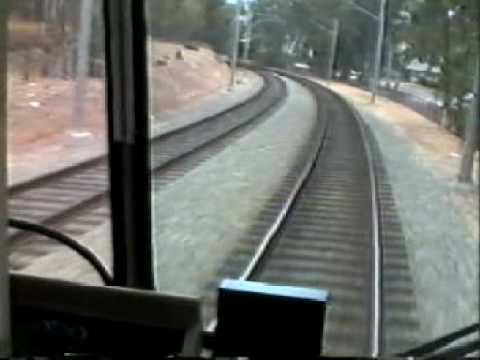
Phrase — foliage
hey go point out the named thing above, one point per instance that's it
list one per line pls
(45, 33)
(207, 21)
(444, 33)
(179, 18)
(306, 20)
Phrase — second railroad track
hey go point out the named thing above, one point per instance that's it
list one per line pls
(75, 200)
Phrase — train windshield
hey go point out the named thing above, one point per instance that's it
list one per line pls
(57, 136)
(232, 140)
(327, 144)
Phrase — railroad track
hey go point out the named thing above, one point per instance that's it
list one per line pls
(325, 227)
(75, 200)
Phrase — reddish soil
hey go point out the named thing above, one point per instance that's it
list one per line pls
(40, 110)
(183, 81)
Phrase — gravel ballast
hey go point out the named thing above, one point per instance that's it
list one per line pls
(442, 242)
(199, 218)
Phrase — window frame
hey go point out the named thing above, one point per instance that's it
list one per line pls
(5, 330)
(128, 139)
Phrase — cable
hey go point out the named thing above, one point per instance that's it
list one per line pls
(80, 249)
(457, 352)
(441, 342)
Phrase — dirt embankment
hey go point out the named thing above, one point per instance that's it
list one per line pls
(40, 110)
(180, 75)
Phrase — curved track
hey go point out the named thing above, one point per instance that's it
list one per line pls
(330, 238)
(323, 229)
(331, 224)
(74, 200)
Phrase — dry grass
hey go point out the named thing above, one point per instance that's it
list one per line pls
(182, 81)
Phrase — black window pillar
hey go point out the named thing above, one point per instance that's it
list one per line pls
(127, 94)
(5, 336)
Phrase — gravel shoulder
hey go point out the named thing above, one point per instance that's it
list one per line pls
(439, 216)
(200, 217)
(66, 265)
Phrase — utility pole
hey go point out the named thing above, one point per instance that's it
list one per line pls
(471, 132)
(389, 45)
(378, 53)
(248, 38)
(333, 49)
(248, 32)
(390, 61)
(236, 39)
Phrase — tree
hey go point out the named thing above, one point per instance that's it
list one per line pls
(473, 126)
(176, 19)
(289, 31)
(217, 30)
(304, 20)
(46, 28)
(443, 33)
(207, 21)
(446, 33)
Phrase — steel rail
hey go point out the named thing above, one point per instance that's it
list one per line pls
(286, 208)
(99, 159)
(375, 338)
(377, 263)
(375, 343)
(271, 87)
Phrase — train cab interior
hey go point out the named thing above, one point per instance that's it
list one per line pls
(131, 308)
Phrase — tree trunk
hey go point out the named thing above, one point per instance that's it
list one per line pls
(447, 96)
(63, 35)
(473, 126)
(471, 145)
(27, 62)
(45, 67)
(83, 60)
(390, 59)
